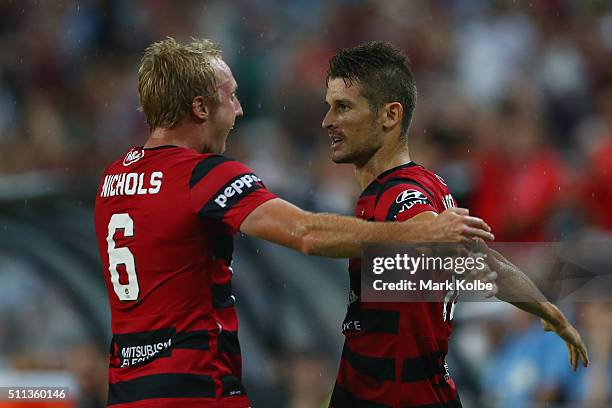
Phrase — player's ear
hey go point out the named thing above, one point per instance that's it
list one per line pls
(393, 114)
(199, 108)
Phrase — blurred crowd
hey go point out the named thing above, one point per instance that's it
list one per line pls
(514, 111)
(514, 108)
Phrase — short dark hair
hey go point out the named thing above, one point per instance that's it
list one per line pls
(383, 72)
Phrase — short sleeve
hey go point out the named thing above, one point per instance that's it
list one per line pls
(225, 190)
(402, 200)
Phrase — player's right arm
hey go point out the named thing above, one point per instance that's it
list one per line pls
(226, 191)
(339, 236)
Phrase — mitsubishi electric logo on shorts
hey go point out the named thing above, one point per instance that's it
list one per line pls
(236, 188)
(133, 156)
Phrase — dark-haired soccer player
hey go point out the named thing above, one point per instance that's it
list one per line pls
(166, 214)
(393, 355)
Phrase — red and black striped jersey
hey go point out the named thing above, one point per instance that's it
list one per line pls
(165, 221)
(394, 352)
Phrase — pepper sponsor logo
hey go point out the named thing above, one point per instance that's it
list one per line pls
(236, 188)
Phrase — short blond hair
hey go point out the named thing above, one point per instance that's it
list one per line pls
(171, 75)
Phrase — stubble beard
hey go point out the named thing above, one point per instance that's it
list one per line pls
(344, 158)
(359, 154)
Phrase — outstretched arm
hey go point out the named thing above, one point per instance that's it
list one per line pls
(513, 284)
(338, 236)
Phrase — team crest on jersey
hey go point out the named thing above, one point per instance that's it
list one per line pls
(133, 156)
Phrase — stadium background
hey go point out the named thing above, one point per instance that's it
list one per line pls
(514, 110)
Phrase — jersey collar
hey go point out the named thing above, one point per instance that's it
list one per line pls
(384, 174)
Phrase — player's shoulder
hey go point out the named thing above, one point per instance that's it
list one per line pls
(219, 165)
(211, 160)
(406, 191)
(412, 172)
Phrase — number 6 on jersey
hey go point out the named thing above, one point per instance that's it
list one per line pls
(122, 256)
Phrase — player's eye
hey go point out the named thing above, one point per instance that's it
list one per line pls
(342, 107)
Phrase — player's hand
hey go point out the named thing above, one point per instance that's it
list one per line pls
(575, 345)
(456, 225)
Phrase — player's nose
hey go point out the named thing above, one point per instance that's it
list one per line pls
(327, 120)
(238, 108)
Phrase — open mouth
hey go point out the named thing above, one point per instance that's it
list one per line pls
(335, 140)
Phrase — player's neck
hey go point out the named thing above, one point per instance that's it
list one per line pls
(385, 158)
(182, 135)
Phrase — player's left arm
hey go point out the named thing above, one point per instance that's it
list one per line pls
(512, 283)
